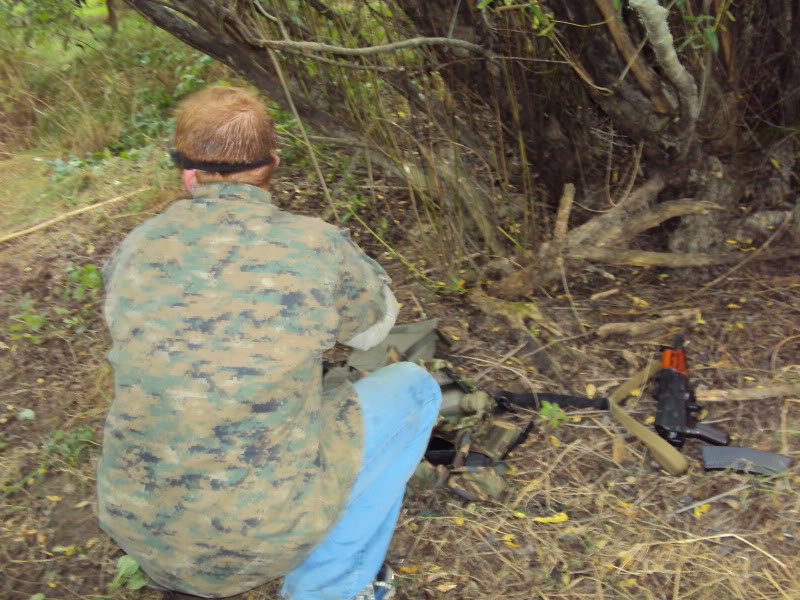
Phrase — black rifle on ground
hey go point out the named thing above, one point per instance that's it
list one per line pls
(675, 419)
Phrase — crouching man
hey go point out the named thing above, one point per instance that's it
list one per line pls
(224, 465)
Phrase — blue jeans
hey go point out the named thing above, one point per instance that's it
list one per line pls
(400, 404)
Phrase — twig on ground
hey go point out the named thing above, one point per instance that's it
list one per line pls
(710, 499)
(645, 258)
(773, 361)
(67, 215)
(639, 329)
(502, 359)
(420, 309)
(604, 294)
(757, 393)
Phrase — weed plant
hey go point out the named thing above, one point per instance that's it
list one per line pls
(95, 93)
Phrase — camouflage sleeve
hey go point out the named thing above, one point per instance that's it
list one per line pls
(363, 298)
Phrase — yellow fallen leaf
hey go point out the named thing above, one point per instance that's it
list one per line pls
(625, 558)
(576, 419)
(731, 242)
(732, 305)
(459, 520)
(507, 537)
(703, 414)
(445, 587)
(739, 324)
(555, 441)
(556, 518)
(748, 378)
(699, 511)
(591, 390)
(41, 470)
(54, 498)
(775, 163)
(409, 570)
(511, 544)
(629, 582)
(639, 301)
(518, 514)
(650, 420)
(636, 391)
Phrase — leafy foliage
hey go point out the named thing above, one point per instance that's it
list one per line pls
(81, 293)
(553, 413)
(44, 17)
(129, 575)
(71, 446)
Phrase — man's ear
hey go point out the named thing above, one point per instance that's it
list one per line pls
(276, 160)
(189, 177)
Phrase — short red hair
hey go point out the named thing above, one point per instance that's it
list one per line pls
(222, 124)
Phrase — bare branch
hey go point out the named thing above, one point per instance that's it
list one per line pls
(654, 17)
(412, 43)
(668, 259)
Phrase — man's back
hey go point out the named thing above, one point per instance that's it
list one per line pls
(222, 464)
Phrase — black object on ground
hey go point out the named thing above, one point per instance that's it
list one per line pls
(744, 459)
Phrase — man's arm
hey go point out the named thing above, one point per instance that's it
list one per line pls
(375, 334)
(367, 307)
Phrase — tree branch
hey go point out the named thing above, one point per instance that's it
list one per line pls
(411, 43)
(663, 212)
(643, 73)
(669, 259)
(654, 17)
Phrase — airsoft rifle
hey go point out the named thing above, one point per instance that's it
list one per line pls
(675, 419)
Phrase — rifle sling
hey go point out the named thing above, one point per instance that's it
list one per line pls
(668, 457)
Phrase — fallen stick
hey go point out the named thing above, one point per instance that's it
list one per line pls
(67, 215)
(645, 258)
(639, 329)
(756, 393)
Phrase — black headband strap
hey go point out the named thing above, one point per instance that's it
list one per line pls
(184, 162)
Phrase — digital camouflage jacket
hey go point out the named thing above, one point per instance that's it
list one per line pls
(223, 464)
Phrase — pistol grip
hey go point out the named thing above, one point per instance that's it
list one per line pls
(709, 434)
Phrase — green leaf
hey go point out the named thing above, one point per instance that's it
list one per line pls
(137, 581)
(617, 5)
(484, 3)
(38, 596)
(711, 37)
(126, 567)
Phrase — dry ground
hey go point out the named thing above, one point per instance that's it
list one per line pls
(632, 531)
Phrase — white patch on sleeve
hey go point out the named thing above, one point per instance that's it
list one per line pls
(373, 336)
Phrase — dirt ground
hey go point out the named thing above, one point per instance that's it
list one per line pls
(630, 531)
